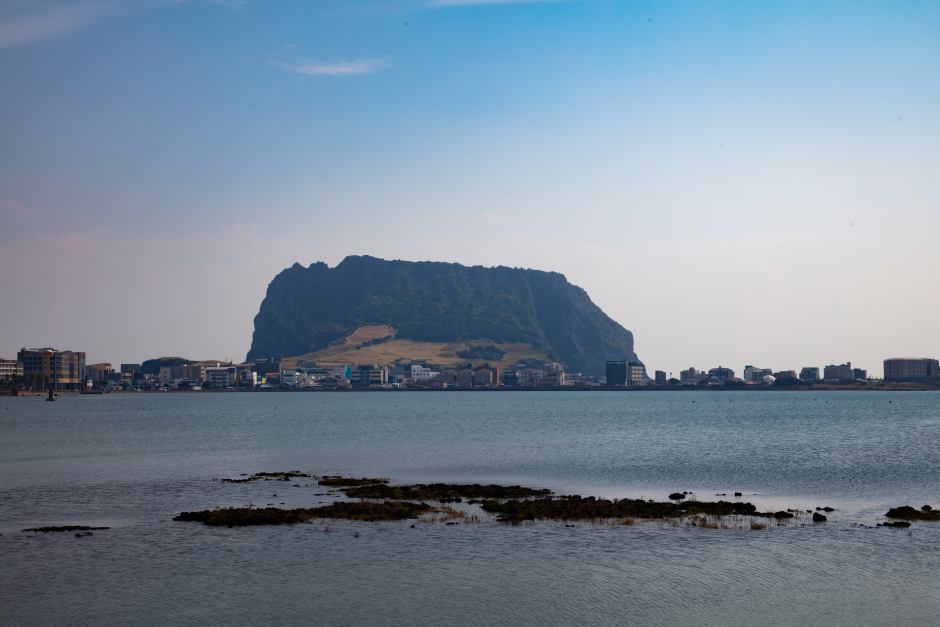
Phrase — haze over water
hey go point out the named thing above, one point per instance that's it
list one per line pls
(107, 461)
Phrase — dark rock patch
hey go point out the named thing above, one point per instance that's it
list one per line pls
(567, 508)
(909, 513)
(245, 516)
(67, 528)
(440, 491)
(341, 482)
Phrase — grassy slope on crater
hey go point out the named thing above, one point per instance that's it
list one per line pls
(406, 351)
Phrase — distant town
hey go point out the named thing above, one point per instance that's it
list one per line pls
(45, 369)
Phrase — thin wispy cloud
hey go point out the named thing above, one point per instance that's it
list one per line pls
(337, 68)
(23, 23)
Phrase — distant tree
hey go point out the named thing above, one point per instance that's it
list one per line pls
(673, 382)
(702, 383)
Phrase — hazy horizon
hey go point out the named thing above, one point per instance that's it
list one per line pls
(734, 183)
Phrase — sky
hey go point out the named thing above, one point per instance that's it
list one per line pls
(737, 183)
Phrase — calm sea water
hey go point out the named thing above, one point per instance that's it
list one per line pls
(132, 462)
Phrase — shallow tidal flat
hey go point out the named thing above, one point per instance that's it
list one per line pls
(529, 558)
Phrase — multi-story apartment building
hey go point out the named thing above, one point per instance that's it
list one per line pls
(839, 373)
(911, 369)
(420, 372)
(482, 378)
(221, 376)
(365, 375)
(10, 368)
(616, 373)
(463, 379)
(50, 368)
(99, 373)
(809, 374)
(660, 377)
(634, 373)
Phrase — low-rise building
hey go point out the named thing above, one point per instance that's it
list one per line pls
(247, 378)
(721, 374)
(911, 369)
(756, 375)
(785, 374)
(342, 372)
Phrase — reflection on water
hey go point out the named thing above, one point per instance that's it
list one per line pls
(107, 461)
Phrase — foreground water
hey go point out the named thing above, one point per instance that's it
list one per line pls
(132, 462)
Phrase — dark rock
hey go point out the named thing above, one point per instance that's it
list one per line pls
(817, 517)
(738, 494)
(899, 524)
(781, 515)
(677, 496)
(926, 508)
(828, 509)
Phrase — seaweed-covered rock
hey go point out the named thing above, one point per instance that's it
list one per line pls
(899, 524)
(817, 517)
(66, 528)
(246, 516)
(440, 491)
(782, 515)
(591, 508)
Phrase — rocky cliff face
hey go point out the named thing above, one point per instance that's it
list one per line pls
(307, 308)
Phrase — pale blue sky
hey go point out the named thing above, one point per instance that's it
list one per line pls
(737, 183)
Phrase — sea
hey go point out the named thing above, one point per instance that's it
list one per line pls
(131, 462)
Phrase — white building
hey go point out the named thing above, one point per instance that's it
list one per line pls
(421, 373)
(222, 376)
(756, 375)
